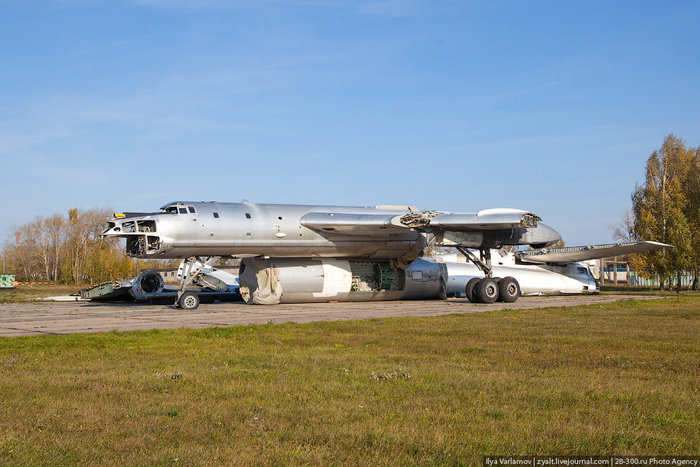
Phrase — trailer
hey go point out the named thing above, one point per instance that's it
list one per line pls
(150, 287)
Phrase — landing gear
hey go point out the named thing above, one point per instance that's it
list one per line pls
(190, 269)
(508, 289)
(489, 289)
(471, 295)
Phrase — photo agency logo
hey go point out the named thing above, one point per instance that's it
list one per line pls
(544, 461)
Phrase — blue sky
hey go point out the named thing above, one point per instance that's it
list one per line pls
(551, 107)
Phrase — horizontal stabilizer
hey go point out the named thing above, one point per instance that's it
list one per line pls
(582, 253)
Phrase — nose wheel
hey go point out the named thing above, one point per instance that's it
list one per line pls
(190, 270)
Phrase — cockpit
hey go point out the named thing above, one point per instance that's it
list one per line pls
(177, 208)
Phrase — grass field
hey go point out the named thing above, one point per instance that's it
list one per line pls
(26, 292)
(622, 378)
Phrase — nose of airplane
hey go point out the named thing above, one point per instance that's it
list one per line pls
(541, 236)
(551, 235)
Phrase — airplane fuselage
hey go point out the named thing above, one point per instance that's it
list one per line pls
(184, 229)
(246, 229)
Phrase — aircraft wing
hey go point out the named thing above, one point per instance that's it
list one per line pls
(582, 253)
(487, 219)
(349, 223)
(379, 223)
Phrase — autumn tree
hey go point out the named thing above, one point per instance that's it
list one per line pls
(692, 212)
(660, 208)
(68, 249)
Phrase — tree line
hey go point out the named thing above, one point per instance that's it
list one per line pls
(68, 249)
(666, 208)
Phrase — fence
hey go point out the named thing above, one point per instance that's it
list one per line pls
(635, 279)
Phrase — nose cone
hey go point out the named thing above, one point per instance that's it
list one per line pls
(541, 236)
(550, 234)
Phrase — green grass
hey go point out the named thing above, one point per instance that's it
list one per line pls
(621, 378)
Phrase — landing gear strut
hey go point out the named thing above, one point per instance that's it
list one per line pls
(483, 262)
(489, 289)
(191, 267)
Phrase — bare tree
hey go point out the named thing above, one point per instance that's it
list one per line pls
(624, 229)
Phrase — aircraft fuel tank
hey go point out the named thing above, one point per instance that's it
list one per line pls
(269, 281)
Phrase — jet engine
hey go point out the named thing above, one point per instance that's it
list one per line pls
(268, 281)
(147, 284)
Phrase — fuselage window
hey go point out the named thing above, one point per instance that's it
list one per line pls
(247, 215)
(191, 209)
(216, 215)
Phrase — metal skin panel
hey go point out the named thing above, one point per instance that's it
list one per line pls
(276, 230)
(337, 278)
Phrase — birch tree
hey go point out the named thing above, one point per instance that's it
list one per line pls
(660, 205)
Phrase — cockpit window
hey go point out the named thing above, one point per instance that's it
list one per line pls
(191, 209)
(171, 210)
(183, 210)
(582, 270)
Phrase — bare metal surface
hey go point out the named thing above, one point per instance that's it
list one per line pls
(24, 319)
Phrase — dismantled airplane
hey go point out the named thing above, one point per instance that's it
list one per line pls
(293, 253)
(539, 272)
(296, 253)
(212, 284)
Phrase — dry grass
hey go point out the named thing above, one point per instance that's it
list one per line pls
(27, 292)
(620, 378)
(623, 289)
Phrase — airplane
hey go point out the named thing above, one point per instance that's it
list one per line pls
(308, 253)
(560, 271)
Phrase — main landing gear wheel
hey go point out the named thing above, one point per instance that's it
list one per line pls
(508, 289)
(487, 290)
(471, 295)
(188, 301)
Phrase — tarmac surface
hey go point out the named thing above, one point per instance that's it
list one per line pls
(41, 318)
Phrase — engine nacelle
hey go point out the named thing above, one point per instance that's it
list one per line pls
(146, 285)
(300, 280)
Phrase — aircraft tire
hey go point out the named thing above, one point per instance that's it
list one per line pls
(469, 290)
(508, 289)
(487, 290)
(188, 301)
